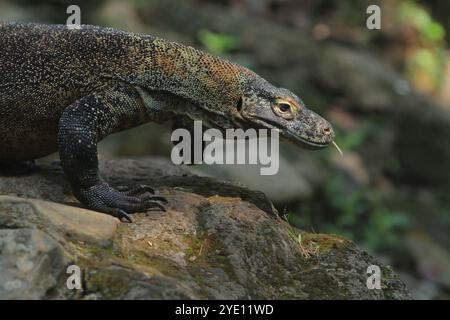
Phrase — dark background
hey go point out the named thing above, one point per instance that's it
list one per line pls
(386, 92)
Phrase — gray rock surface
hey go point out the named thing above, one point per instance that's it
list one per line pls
(216, 241)
(31, 263)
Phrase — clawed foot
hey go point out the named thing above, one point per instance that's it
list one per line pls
(120, 201)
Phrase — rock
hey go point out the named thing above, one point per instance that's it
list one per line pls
(367, 83)
(70, 219)
(31, 263)
(431, 259)
(216, 241)
(422, 130)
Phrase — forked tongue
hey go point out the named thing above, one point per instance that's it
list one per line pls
(338, 149)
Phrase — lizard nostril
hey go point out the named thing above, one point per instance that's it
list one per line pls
(327, 130)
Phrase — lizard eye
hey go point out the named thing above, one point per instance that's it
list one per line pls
(284, 109)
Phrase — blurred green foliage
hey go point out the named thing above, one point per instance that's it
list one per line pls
(363, 215)
(360, 213)
(410, 12)
(350, 140)
(425, 63)
(217, 43)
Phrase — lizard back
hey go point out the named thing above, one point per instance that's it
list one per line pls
(45, 68)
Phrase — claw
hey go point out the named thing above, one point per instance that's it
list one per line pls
(120, 214)
(143, 188)
(162, 199)
(122, 201)
(151, 204)
(156, 198)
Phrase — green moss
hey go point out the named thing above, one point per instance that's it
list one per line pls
(154, 264)
(386, 273)
(324, 242)
(111, 283)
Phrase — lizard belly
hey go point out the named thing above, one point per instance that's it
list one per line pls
(29, 120)
(27, 141)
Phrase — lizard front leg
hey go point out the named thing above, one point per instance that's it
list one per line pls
(81, 126)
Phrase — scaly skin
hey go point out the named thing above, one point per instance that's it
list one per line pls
(66, 90)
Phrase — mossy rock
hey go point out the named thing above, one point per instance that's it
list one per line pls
(216, 241)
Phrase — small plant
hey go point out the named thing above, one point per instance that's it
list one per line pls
(307, 250)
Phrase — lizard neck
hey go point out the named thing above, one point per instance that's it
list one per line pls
(209, 82)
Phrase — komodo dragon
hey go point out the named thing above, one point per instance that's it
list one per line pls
(67, 89)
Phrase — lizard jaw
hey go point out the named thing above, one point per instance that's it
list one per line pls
(290, 136)
(299, 141)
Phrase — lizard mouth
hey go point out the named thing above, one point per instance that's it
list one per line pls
(304, 143)
(291, 136)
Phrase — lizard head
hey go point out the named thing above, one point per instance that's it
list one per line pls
(264, 106)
